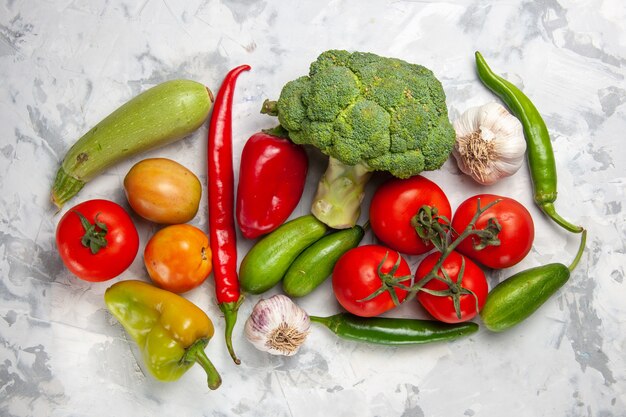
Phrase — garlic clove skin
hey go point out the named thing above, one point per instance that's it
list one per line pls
(277, 326)
(490, 143)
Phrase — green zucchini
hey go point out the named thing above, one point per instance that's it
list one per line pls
(317, 261)
(156, 117)
(268, 260)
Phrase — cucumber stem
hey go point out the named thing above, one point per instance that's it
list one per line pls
(581, 249)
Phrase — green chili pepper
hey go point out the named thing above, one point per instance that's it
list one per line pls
(540, 153)
(170, 331)
(393, 331)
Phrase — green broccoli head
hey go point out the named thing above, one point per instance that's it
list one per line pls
(367, 113)
(357, 107)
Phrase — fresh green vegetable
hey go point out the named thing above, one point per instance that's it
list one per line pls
(540, 153)
(317, 261)
(393, 331)
(367, 113)
(268, 260)
(171, 331)
(156, 117)
(516, 298)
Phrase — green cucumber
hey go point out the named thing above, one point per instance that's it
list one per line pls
(268, 260)
(317, 261)
(516, 298)
(156, 117)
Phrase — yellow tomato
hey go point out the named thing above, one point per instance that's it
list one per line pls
(163, 191)
(178, 257)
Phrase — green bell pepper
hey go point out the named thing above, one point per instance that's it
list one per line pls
(170, 331)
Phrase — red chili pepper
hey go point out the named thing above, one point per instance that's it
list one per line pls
(271, 180)
(222, 232)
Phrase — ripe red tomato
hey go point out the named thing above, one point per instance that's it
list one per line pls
(355, 277)
(393, 206)
(178, 257)
(442, 307)
(100, 245)
(516, 236)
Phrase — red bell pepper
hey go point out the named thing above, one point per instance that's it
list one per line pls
(271, 181)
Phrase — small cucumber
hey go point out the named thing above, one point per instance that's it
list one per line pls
(268, 260)
(317, 261)
(156, 117)
(516, 298)
(519, 296)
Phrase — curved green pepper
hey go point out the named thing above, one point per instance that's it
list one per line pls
(171, 331)
(540, 153)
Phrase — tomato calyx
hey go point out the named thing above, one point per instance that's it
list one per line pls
(489, 235)
(455, 289)
(95, 233)
(389, 281)
(431, 227)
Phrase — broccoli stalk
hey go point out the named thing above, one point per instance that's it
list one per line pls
(366, 113)
(339, 194)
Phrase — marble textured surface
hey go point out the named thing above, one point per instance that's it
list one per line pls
(65, 64)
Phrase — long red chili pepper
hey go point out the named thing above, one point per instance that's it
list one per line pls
(222, 232)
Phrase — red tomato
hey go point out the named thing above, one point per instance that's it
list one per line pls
(442, 307)
(272, 174)
(108, 252)
(355, 277)
(393, 206)
(178, 257)
(516, 237)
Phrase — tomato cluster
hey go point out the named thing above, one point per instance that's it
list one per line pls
(97, 239)
(495, 231)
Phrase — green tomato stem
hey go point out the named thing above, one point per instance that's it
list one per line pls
(446, 249)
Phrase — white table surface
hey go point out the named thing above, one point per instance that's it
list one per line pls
(66, 64)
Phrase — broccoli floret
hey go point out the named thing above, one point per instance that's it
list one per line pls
(367, 113)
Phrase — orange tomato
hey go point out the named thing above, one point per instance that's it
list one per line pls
(163, 191)
(178, 258)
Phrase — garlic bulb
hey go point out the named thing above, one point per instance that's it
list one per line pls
(277, 325)
(490, 143)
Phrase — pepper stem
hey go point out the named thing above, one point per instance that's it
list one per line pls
(330, 322)
(230, 316)
(195, 353)
(548, 208)
(323, 320)
(326, 321)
